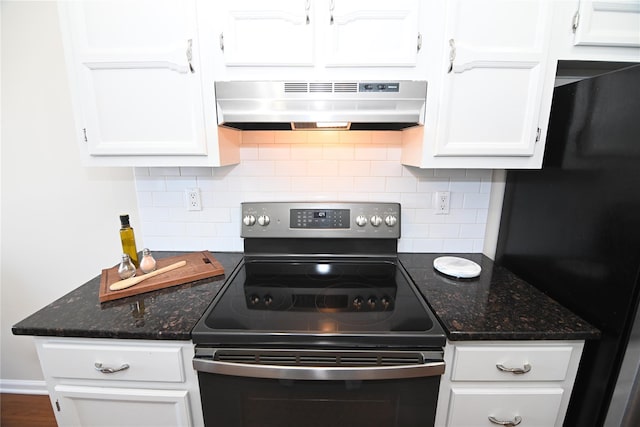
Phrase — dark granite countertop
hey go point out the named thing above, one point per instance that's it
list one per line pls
(495, 306)
(168, 313)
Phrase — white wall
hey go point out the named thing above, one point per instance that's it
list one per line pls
(310, 166)
(59, 220)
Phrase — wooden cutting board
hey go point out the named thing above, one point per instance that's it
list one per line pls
(200, 265)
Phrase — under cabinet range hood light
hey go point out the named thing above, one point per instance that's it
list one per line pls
(299, 105)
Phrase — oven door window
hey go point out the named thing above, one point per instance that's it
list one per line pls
(255, 402)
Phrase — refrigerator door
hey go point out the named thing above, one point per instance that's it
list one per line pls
(572, 229)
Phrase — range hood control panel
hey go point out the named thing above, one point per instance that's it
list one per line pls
(379, 87)
(321, 219)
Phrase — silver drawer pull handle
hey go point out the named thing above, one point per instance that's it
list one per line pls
(518, 371)
(106, 370)
(517, 420)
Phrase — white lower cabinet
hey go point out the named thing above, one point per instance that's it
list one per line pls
(496, 383)
(474, 406)
(109, 382)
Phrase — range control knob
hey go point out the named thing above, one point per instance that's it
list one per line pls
(376, 220)
(386, 301)
(390, 220)
(264, 220)
(249, 220)
(254, 299)
(371, 302)
(361, 220)
(268, 299)
(357, 302)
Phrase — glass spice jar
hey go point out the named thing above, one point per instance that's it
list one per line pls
(126, 268)
(148, 263)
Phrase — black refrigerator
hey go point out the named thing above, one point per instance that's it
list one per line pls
(572, 229)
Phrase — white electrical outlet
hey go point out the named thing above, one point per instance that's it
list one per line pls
(442, 202)
(193, 199)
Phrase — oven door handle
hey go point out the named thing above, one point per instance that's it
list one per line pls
(320, 373)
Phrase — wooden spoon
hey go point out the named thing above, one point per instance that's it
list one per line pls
(126, 283)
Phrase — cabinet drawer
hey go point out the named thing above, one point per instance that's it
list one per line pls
(480, 363)
(78, 360)
(537, 407)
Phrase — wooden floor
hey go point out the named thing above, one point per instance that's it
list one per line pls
(22, 410)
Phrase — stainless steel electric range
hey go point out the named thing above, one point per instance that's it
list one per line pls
(319, 325)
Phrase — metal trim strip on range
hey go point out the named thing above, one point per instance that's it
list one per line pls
(320, 373)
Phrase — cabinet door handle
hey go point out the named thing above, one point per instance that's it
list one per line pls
(517, 420)
(307, 6)
(222, 42)
(106, 370)
(190, 55)
(452, 54)
(518, 371)
(332, 6)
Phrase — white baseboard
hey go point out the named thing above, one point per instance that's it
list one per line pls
(23, 387)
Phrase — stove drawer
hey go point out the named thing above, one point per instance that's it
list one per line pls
(511, 363)
(112, 361)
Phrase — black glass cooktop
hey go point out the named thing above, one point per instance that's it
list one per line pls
(316, 302)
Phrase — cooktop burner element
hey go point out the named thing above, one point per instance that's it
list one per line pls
(320, 286)
(320, 275)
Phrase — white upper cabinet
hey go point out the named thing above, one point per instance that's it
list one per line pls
(313, 39)
(273, 33)
(604, 30)
(484, 108)
(137, 84)
(371, 33)
(607, 23)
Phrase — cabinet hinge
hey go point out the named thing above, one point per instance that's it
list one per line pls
(538, 134)
(576, 21)
(419, 42)
(222, 42)
(58, 405)
(84, 131)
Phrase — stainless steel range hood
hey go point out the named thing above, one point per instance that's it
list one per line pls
(287, 105)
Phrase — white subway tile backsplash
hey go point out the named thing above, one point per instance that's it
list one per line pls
(367, 184)
(354, 168)
(476, 201)
(292, 168)
(169, 199)
(394, 153)
(371, 152)
(386, 168)
(274, 152)
(180, 183)
(312, 166)
(444, 231)
(401, 185)
(457, 245)
(338, 152)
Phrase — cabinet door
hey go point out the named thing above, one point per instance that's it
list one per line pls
(134, 68)
(104, 406)
(361, 33)
(607, 23)
(274, 33)
(491, 95)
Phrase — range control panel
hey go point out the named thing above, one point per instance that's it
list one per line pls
(321, 220)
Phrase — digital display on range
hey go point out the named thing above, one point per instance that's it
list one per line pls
(321, 219)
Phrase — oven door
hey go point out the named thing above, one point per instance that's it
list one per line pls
(263, 388)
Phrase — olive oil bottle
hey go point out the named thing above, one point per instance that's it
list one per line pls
(128, 239)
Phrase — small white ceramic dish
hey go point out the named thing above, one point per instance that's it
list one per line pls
(460, 268)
